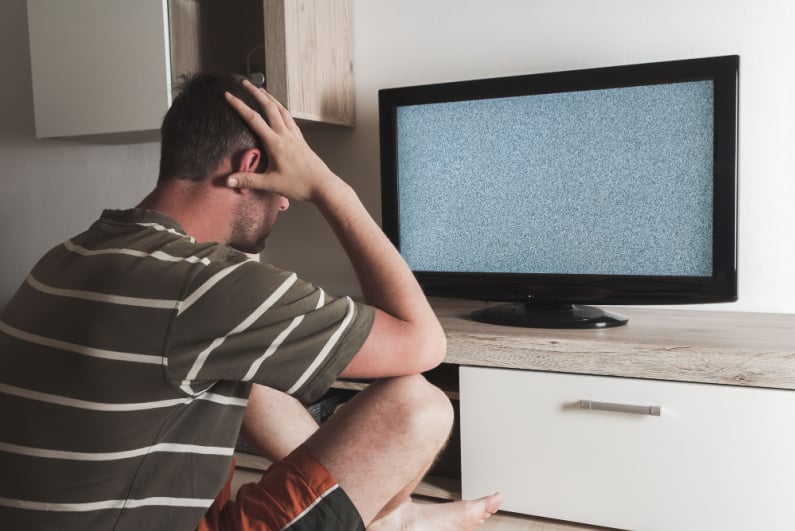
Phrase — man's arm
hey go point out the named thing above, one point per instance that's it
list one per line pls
(406, 337)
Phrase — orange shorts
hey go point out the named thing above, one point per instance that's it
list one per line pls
(296, 494)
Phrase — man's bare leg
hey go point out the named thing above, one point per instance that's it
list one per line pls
(380, 444)
(378, 447)
(275, 423)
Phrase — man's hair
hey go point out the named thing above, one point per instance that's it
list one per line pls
(201, 130)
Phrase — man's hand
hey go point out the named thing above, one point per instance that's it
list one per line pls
(294, 170)
(406, 337)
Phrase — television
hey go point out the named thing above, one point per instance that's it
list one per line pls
(551, 193)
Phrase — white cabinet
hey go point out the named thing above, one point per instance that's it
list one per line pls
(108, 66)
(98, 66)
(717, 457)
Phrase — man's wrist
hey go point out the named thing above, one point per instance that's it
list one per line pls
(333, 191)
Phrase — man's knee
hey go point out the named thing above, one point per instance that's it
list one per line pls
(418, 406)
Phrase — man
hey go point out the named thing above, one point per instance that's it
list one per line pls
(133, 353)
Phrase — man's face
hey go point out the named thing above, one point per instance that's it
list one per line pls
(254, 218)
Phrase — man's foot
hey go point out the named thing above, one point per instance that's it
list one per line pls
(452, 516)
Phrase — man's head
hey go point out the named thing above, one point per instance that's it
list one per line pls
(200, 131)
(203, 141)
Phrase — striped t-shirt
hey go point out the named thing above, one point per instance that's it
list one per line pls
(126, 359)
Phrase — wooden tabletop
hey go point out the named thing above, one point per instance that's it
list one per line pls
(720, 347)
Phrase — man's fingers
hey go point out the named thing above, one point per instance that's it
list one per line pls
(266, 98)
(241, 180)
(270, 105)
(249, 115)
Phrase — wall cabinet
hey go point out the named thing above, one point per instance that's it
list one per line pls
(110, 66)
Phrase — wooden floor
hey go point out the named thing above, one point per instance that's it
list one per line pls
(510, 522)
(501, 521)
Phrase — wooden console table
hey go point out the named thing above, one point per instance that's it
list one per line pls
(732, 348)
(698, 430)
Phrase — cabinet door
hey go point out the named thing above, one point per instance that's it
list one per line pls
(309, 59)
(717, 457)
(98, 66)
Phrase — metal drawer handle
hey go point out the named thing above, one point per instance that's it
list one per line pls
(621, 408)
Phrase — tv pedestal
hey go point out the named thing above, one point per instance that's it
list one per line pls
(548, 315)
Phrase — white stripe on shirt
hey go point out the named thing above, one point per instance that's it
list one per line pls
(327, 348)
(223, 399)
(86, 404)
(162, 228)
(118, 406)
(276, 343)
(252, 371)
(106, 504)
(247, 322)
(114, 456)
(102, 297)
(204, 288)
(158, 255)
(81, 349)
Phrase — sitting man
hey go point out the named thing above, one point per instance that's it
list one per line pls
(134, 353)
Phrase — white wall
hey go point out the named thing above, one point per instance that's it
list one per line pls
(53, 188)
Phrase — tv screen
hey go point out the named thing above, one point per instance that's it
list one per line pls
(601, 186)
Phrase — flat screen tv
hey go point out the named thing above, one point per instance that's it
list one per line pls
(551, 192)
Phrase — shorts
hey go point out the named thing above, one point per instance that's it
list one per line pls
(296, 494)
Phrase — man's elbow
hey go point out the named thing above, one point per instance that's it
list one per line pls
(434, 347)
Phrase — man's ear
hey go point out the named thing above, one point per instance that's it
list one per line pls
(249, 160)
(246, 161)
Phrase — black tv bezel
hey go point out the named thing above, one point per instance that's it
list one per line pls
(586, 289)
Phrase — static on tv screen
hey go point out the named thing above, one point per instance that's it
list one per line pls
(596, 182)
